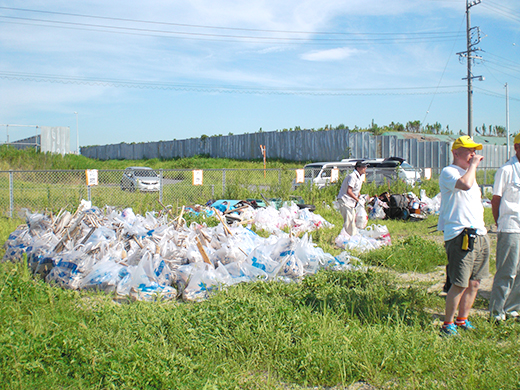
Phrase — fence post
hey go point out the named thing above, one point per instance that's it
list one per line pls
(89, 194)
(11, 194)
(279, 176)
(160, 185)
(223, 181)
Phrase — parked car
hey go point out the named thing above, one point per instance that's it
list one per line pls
(390, 169)
(141, 179)
(379, 170)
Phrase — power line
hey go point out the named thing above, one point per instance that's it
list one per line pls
(502, 10)
(210, 27)
(396, 38)
(509, 62)
(502, 65)
(443, 72)
(500, 71)
(230, 88)
(494, 94)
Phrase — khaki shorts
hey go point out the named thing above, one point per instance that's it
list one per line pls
(464, 266)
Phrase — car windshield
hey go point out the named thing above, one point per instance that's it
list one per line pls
(312, 170)
(407, 167)
(145, 173)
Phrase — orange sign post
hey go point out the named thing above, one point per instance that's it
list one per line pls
(262, 148)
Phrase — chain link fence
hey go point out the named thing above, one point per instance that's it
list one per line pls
(64, 189)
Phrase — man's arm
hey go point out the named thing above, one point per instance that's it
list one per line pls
(350, 193)
(495, 207)
(468, 179)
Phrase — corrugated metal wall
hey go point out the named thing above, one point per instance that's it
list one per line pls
(304, 145)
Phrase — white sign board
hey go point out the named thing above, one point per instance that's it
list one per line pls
(334, 175)
(300, 176)
(92, 177)
(197, 177)
(427, 173)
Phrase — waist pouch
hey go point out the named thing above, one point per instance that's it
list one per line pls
(468, 238)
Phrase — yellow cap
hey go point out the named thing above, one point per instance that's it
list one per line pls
(517, 139)
(466, 142)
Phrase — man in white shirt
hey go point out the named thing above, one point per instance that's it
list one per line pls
(348, 198)
(505, 294)
(461, 218)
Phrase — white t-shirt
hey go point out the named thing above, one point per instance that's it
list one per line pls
(355, 181)
(459, 208)
(507, 186)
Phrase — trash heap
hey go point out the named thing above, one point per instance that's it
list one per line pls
(153, 257)
(370, 238)
(269, 218)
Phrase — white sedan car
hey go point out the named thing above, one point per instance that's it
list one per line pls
(141, 179)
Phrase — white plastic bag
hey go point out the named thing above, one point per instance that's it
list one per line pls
(378, 211)
(259, 258)
(361, 216)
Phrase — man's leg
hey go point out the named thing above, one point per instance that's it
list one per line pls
(468, 298)
(504, 279)
(344, 214)
(453, 299)
(352, 228)
(512, 302)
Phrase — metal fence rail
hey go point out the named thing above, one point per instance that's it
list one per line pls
(64, 189)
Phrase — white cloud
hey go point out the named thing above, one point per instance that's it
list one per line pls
(336, 54)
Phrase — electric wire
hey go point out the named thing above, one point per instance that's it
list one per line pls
(501, 10)
(228, 89)
(398, 38)
(210, 27)
(443, 71)
(502, 65)
(500, 71)
(503, 61)
(494, 94)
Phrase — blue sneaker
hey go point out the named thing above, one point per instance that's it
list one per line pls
(467, 325)
(449, 330)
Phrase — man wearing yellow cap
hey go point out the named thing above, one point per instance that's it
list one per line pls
(461, 218)
(505, 294)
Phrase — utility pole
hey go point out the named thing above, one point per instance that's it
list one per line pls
(507, 122)
(472, 39)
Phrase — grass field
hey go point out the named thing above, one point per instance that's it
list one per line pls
(331, 330)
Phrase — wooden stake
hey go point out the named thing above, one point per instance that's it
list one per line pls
(202, 251)
(226, 229)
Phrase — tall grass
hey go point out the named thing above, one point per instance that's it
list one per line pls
(29, 159)
(332, 329)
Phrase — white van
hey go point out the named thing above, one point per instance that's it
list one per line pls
(378, 170)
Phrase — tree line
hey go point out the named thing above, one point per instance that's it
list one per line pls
(410, 127)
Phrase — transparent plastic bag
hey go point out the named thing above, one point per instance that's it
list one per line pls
(361, 216)
(104, 276)
(260, 259)
(156, 268)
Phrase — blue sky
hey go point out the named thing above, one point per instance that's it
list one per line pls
(139, 71)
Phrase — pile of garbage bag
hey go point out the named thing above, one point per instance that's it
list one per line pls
(152, 257)
(269, 218)
(370, 238)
